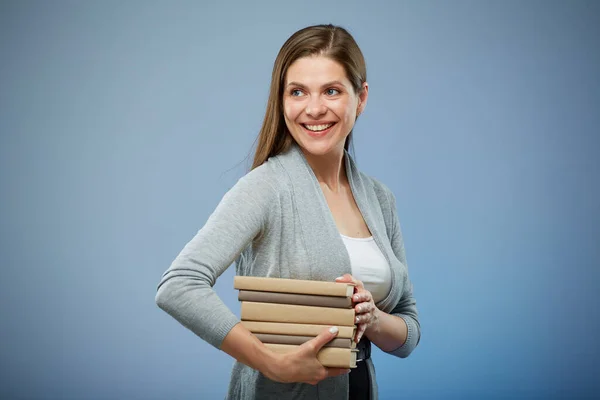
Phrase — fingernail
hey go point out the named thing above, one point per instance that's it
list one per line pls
(359, 309)
(339, 277)
(357, 319)
(333, 329)
(348, 371)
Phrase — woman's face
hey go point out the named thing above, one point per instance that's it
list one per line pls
(320, 105)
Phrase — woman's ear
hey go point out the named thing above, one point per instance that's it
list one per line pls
(362, 99)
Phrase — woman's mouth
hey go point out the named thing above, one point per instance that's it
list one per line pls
(318, 130)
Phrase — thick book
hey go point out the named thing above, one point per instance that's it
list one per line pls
(272, 312)
(298, 340)
(281, 285)
(328, 356)
(294, 298)
(281, 328)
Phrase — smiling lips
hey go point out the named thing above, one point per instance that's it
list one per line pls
(318, 129)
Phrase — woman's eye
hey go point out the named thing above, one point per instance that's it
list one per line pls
(296, 92)
(332, 92)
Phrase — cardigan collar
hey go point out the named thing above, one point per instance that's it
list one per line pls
(326, 252)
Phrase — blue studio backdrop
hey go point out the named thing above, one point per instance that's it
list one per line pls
(123, 123)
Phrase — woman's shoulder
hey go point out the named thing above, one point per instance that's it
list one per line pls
(380, 188)
(369, 182)
(265, 181)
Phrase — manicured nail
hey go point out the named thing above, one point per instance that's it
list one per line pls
(333, 329)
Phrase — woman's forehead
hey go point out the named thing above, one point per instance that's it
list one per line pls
(316, 70)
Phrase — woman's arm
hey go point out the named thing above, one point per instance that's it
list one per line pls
(388, 331)
(405, 315)
(397, 332)
(185, 290)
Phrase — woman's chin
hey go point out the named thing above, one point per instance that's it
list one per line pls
(320, 148)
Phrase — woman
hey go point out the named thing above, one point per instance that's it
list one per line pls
(303, 212)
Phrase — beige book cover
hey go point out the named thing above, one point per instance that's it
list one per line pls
(298, 340)
(299, 286)
(328, 356)
(295, 298)
(283, 328)
(272, 312)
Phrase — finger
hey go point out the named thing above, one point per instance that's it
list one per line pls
(358, 336)
(358, 285)
(322, 339)
(362, 296)
(336, 372)
(346, 278)
(363, 319)
(360, 332)
(363, 308)
(318, 377)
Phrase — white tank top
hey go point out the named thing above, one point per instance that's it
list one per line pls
(369, 266)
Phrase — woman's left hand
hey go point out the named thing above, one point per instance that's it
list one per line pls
(364, 307)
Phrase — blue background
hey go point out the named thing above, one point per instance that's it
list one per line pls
(124, 123)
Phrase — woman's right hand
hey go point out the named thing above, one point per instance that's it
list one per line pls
(302, 365)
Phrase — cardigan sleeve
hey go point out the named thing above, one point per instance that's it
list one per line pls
(186, 290)
(406, 307)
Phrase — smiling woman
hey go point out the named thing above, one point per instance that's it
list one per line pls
(304, 212)
(332, 54)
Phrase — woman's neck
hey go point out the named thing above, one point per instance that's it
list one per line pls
(329, 169)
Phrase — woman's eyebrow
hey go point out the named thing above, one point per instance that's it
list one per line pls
(331, 83)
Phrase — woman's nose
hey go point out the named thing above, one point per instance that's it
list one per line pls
(315, 107)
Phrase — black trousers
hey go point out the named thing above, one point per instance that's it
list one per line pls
(359, 382)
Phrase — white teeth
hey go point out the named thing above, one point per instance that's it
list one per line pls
(316, 128)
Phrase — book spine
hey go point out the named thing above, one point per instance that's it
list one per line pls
(292, 286)
(298, 340)
(297, 299)
(328, 356)
(281, 328)
(271, 312)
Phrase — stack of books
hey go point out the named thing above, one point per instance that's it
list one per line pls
(284, 313)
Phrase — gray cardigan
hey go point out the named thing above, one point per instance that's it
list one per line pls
(275, 222)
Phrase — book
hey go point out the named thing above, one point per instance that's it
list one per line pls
(272, 312)
(282, 328)
(328, 356)
(298, 340)
(281, 285)
(294, 298)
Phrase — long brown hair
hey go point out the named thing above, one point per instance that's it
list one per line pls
(327, 40)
